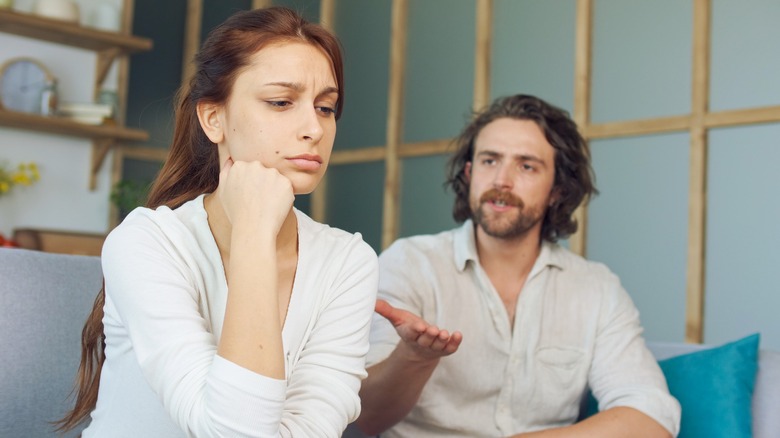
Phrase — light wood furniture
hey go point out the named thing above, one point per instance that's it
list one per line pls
(108, 46)
(60, 242)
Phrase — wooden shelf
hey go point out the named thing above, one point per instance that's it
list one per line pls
(70, 34)
(103, 136)
(62, 126)
(108, 46)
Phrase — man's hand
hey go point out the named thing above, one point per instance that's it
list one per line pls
(421, 341)
(394, 385)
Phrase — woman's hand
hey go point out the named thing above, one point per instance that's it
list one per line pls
(251, 193)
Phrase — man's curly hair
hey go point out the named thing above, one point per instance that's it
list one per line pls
(574, 178)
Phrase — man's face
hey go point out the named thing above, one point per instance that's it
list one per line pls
(510, 178)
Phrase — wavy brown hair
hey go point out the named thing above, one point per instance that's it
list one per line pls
(574, 179)
(192, 166)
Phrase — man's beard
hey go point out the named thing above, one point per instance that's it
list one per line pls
(506, 225)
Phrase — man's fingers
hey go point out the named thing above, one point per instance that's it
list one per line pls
(384, 308)
(453, 343)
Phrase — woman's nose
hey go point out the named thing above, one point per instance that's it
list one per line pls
(311, 126)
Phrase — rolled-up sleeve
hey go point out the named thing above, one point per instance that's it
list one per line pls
(624, 372)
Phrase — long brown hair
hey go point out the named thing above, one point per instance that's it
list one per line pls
(192, 166)
(574, 179)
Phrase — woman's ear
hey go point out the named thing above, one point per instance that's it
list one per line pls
(209, 118)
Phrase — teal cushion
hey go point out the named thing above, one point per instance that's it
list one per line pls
(714, 388)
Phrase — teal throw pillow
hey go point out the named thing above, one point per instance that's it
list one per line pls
(714, 388)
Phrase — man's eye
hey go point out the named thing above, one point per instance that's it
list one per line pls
(528, 167)
(488, 161)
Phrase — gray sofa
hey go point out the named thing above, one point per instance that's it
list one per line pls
(45, 298)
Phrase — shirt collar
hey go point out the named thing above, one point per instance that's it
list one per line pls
(465, 249)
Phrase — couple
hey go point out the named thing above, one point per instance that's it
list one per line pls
(227, 312)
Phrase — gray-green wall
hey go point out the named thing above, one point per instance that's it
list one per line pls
(641, 69)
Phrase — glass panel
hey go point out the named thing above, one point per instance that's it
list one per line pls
(638, 225)
(217, 11)
(156, 75)
(742, 274)
(533, 50)
(745, 54)
(439, 69)
(641, 59)
(426, 207)
(354, 200)
(309, 9)
(364, 30)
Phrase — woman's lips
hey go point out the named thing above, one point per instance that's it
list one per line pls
(306, 162)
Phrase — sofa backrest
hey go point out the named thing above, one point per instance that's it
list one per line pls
(44, 301)
(766, 395)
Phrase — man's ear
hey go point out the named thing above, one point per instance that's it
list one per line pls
(555, 196)
(209, 118)
(467, 171)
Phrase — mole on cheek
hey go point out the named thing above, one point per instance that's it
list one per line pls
(277, 152)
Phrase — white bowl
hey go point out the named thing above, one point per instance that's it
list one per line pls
(65, 10)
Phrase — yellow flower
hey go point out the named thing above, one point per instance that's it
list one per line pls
(25, 174)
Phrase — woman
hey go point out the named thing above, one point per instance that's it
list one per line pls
(227, 311)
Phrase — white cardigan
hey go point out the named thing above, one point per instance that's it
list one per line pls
(165, 303)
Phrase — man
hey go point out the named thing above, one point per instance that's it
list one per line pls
(537, 324)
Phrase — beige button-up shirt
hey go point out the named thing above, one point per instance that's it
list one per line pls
(575, 326)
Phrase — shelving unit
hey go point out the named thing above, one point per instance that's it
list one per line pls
(108, 46)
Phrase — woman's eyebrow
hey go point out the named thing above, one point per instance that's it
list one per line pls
(298, 87)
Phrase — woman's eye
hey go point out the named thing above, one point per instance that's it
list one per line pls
(279, 103)
(326, 110)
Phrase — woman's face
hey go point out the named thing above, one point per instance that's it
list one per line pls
(281, 112)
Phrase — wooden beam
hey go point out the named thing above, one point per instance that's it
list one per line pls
(123, 67)
(258, 4)
(582, 83)
(426, 148)
(355, 156)
(104, 60)
(638, 127)
(71, 34)
(116, 176)
(484, 28)
(192, 29)
(398, 30)
(319, 195)
(697, 195)
(328, 14)
(100, 148)
(767, 114)
(407, 150)
(143, 153)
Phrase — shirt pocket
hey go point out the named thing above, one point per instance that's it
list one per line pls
(561, 375)
(560, 364)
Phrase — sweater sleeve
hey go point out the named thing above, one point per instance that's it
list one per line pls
(322, 395)
(151, 285)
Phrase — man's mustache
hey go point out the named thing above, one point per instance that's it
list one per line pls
(495, 195)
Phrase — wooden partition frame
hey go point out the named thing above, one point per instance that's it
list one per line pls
(697, 123)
